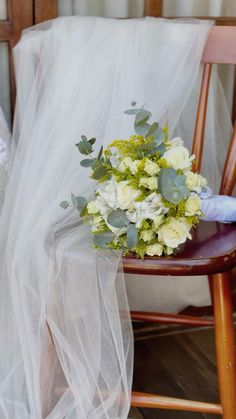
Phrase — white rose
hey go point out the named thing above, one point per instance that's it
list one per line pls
(92, 208)
(148, 182)
(128, 163)
(151, 168)
(191, 180)
(155, 249)
(178, 158)
(134, 166)
(202, 181)
(175, 142)
(193, 205)
(195, 182)
(147, 235)
(174, 232)
(126, 195)
(158, 220)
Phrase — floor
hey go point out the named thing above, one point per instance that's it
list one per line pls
(173, 361)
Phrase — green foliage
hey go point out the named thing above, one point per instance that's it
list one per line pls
(130, 160)
(87, 162)
(118, 218)
(172, 186)
(79, 202)
(132, 236)
(101, 240)
(84, 146)
(64, 204)
(99, 172)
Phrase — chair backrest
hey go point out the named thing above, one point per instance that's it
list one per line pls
(219, 49)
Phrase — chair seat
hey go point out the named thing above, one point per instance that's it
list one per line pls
(211, 250)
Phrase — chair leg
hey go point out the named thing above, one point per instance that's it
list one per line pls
(225, 343)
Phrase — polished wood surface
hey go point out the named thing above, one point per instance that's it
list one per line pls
(220, 46)
(211, 250)
(153, 8)
(198, 137)
(44, 10)
(225, 344)
(175, 361)
(229, 173)
(169, 318)
(170, 403)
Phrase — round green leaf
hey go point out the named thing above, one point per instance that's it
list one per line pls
(103, 239)
(87, 162)
(141, 129)
(172, 186)
(118, 218)
(84, 147)
(64, 204)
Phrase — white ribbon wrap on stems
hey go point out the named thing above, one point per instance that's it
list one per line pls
(66, 339)
(220, 208)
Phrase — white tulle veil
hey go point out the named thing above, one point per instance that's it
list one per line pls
(66, 338)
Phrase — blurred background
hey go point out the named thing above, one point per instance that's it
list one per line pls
(18, 14)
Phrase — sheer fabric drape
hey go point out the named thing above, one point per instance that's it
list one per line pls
(66, 339)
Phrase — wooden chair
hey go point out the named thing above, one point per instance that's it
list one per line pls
(212, 252)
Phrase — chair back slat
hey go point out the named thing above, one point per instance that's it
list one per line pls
(153, 8)
(220, 46)
(198, 138)
(229, 173)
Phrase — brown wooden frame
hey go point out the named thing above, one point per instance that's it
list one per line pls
(19, 17)
(44, 10)
(22, 14)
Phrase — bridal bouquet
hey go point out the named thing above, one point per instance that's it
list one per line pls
(146, 197)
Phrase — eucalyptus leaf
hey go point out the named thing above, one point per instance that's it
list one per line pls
(87, 162)
(142, 116)
(180, 180)
(152, 130)
(133, 103)
(118, 218)
(172, 186)
(141, 129)
(131, 111)
(132, 236)
(159, 135)
(99, 172)
(85, 147)
(103, 239)
(150, 147)
(84, 138)
(160, 149)
(79, 202)
(64, 204)
(92, 141)
(100, 153)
